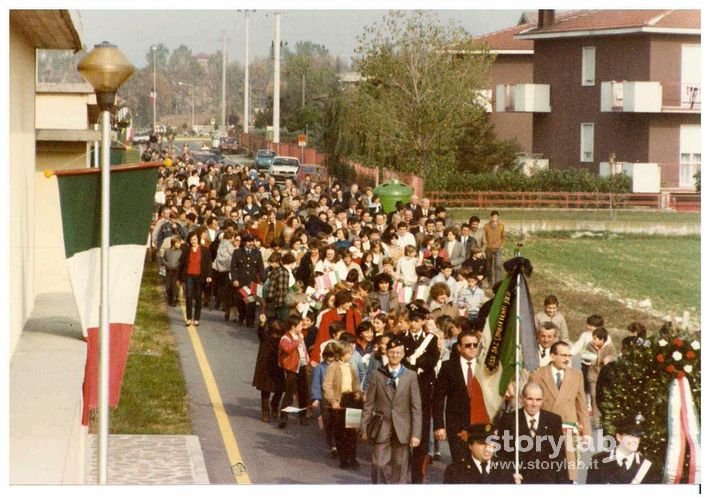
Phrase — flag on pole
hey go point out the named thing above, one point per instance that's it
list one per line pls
(496, 360)
(131, 201)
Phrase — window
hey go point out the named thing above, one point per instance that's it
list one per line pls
(587, 141)
(588, 66)
(690, 155)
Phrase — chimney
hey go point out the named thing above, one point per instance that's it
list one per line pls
(546, 18)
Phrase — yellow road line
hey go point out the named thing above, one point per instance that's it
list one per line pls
(237, 466)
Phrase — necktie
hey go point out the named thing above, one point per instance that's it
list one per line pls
(559, 379)
(624, 463)
(469, 388)
(543, 352)
(484, 468)
(532, 427)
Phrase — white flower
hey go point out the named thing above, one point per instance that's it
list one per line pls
(688, 368)
(677, 355)
(695, 345)
(662, 343)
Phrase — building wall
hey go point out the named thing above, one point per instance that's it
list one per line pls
(630, 136)
(62, 111)
(666, 54)
(22, 160)
(511, 69)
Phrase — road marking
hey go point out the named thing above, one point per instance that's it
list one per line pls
(226, 430)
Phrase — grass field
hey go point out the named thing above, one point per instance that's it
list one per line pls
(609, 274)
(154, 398)
(624, 215)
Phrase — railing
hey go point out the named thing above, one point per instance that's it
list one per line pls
(577, 200)
(681, 96)
(685, 201)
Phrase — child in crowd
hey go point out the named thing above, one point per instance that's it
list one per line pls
(550, 313)
(406, 266)
(318, 403)
(604, 353)
(341, 389)
(470, 296)
(580, 350)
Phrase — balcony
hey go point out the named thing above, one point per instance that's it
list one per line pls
(650, 96)
(525, 97)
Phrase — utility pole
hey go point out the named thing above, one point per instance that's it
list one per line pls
(303, 90)
(246, 111)
(154, 87)
(225, 63)
(277, 49)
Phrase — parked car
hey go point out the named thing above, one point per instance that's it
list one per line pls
(263, 159)
(284, 167)
(318, 173)
(229, 145)
(141, 137)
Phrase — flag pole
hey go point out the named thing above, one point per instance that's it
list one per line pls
(517, 370)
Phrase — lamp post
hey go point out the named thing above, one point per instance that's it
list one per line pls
(193, 104)
(154, 87)
(105, 68)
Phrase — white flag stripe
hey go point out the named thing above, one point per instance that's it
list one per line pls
(126, 266)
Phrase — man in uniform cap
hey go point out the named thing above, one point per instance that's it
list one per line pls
(478, 467)
(623, 464)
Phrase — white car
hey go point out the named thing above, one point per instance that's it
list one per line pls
(284, 167)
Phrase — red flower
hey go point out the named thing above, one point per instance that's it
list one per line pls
(659, 358)
(680, 375)
(690, 355)
(677, 342)
(670, 369)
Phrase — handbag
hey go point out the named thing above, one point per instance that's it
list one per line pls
(374, 426)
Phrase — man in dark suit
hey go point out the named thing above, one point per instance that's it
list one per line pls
(452, 395)
(479, 467)
(393, 393)
(624, 464)
(246, 267)
(543, 461)
(421, 354)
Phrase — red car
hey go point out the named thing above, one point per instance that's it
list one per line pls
(229, 145)
(318, 173)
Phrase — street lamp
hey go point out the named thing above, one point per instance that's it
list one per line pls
(105, 68)
(193, 105)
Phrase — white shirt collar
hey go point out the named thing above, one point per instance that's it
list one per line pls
(529, 417)
(619, 456)
(478, 464)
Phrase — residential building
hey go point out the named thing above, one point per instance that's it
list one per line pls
(613, 84)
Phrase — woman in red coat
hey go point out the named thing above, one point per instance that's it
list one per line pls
(343, 310)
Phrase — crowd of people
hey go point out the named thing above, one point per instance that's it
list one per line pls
(361, 309)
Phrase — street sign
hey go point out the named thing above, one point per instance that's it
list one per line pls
(302, 140)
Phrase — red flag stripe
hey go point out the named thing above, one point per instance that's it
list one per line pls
(120, 334)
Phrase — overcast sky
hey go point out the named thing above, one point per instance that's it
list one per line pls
(133, 31)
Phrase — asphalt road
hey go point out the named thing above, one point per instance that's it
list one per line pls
(269, 455)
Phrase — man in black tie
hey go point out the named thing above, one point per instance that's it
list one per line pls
(624, 464)
(479, 467)
(421, 354)
(452, 395)
(543, 463)
(467, 241)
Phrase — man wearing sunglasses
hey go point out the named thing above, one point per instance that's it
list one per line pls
(453, 395)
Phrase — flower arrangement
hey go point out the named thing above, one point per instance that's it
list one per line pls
(678, 356)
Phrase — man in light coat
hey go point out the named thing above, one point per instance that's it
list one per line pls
(564, 395)
(394, 393)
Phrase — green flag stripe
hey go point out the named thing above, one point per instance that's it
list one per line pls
(131, 202)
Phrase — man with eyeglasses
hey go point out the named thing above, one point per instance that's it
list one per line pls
(452, 395)
(564, 395)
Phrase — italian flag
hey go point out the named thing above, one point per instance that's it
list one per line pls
(131, 202)
(496, 361)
